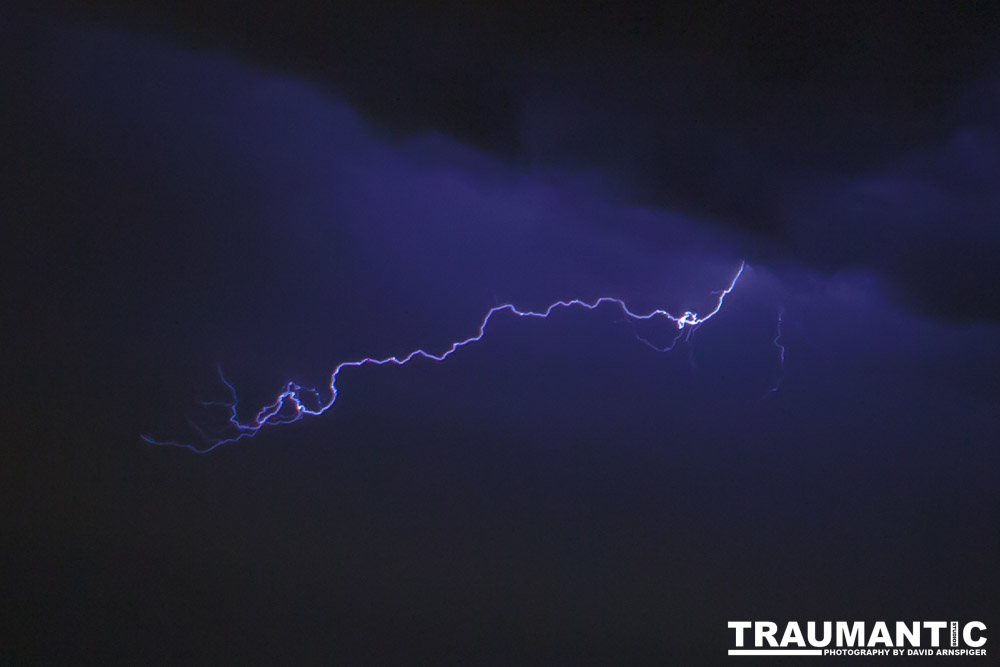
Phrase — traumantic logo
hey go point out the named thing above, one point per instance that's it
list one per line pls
(842, 638)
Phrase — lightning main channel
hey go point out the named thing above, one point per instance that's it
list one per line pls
(288, 406)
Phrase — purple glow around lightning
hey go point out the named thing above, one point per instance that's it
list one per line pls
(291, 396)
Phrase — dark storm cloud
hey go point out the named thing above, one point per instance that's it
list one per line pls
(262, 195)
(276, 195)
(926, 223)
(737, 114)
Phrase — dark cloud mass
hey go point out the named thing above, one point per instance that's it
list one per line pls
(729, 111)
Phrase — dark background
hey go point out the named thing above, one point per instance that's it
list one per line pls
(276, 189)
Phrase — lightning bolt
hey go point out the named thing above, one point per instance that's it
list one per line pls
(289, 407)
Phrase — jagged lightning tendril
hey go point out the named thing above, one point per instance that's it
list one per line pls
(288, 406)
(781, 352)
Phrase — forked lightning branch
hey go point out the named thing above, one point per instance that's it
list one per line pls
(855, 638)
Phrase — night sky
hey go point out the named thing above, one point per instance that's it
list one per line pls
(275, 189)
